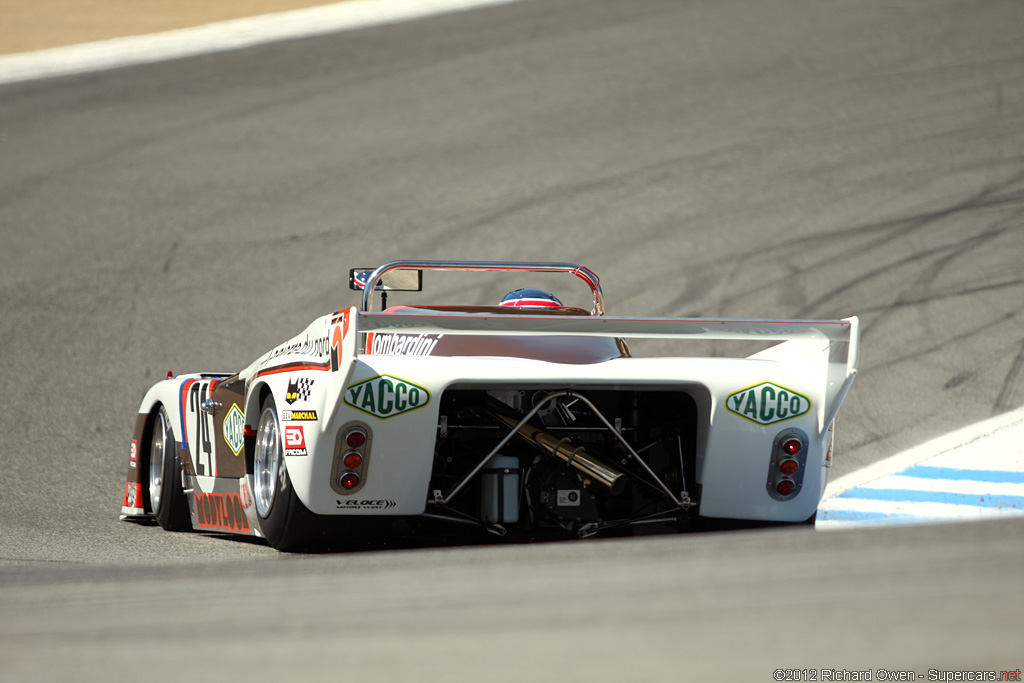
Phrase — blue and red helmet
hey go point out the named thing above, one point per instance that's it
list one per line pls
(530, 298)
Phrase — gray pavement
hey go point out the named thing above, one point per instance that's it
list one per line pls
(766, 159)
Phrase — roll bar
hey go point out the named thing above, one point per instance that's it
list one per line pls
(579, 271)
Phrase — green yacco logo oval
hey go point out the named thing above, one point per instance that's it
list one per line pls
(767, 403)
(385, 396)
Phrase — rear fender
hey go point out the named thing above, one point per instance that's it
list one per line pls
(837, 356)
(329, 382)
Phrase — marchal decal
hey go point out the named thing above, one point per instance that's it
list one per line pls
(385, 396)
(767, 403)
(234, 425)
(307, 415)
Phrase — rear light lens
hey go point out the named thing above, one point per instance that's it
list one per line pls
(355, 439)
(351, 458)
(788, 464)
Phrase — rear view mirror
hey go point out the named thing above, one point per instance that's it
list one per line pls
(392, 281)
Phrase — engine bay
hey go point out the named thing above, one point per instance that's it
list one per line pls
(554, 461)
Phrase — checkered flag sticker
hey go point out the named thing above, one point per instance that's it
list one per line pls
(299, 389)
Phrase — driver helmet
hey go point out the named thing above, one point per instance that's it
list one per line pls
(530, 298)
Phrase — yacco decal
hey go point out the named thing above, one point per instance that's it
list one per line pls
(234, 422)
(133, 455)
(385, 396)
(221, 511)
(767, 403)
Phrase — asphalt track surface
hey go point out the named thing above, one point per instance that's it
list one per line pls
(765, 159)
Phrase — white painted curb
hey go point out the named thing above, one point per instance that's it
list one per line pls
(1009, 426)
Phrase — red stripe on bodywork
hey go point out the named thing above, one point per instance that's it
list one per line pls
(185, 386)
(294, 367)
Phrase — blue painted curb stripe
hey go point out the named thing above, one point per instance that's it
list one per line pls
(904, 495)
(855, 516)
(993, 476)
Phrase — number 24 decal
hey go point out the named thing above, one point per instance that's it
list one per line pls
(202, 428)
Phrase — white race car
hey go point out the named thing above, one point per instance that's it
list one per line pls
(528, 419)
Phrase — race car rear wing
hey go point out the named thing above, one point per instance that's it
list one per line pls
(426, 321)
(805, 340)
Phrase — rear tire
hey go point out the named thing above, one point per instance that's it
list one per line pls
(283, 519)
(166, 496)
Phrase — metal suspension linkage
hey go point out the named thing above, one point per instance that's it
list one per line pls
(577, 458)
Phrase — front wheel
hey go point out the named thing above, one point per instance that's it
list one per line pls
(284, 520)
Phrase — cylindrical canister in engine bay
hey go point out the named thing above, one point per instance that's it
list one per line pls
(500, 490)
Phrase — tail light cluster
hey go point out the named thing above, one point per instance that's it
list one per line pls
(351, 455)
(789, 456)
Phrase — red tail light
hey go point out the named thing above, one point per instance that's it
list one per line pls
(351, 458)
(788, 462)
(792, 446)
(355, 439)
(789, 467)
(785, 487)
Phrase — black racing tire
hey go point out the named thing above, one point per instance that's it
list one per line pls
(284, 521)
(166, 496)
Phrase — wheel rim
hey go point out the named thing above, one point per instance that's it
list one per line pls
(157, 453)
(268, 463)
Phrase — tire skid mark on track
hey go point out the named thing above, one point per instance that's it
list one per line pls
(1011, 379)
(906, 227)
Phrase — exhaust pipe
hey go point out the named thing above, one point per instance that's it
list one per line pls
(548, 443)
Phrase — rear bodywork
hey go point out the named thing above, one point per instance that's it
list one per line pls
(515, 422)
